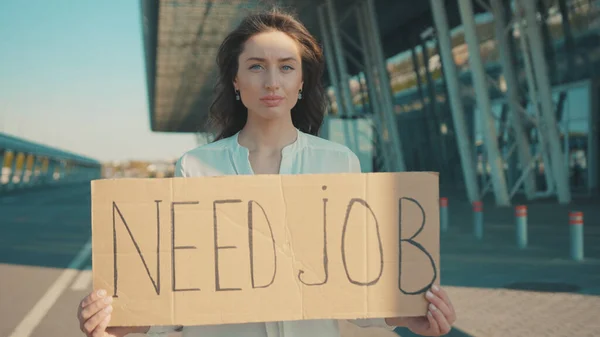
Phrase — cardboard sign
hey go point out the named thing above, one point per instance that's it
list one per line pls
(234, 249)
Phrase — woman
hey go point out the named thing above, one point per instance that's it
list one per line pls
(268, 111)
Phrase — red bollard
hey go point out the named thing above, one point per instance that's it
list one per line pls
(576, 229)
(521, 215)
(478, 219)
(444, 213)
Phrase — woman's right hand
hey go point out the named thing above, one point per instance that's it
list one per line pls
(94, 314)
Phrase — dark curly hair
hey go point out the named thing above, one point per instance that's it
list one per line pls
(227, 116)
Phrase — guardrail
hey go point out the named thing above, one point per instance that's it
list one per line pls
(25, 164)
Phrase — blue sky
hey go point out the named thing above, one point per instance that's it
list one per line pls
(72, 76)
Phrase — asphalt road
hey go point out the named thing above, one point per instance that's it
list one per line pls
(45, 263)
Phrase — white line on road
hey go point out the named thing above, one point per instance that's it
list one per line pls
(83, 280)
(35, 316)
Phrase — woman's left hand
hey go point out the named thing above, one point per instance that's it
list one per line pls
(440, 315)
(439, 319)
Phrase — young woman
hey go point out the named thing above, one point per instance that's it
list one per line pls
(268, 111)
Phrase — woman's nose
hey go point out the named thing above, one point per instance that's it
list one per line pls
(272, 81)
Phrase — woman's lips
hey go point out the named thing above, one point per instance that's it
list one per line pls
(272, 100)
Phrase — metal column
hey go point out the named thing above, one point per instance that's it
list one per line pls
(13, 170)
(430, 82)
(533, 96)
(49, 177)
(548, 123)
(43, 170)
(512, 87)
(484, 104)
(549, 53)
(433, 120)
(417, 68)
(384, 84)
(37, 162)
(26, 161)
(374, 102)
(568, 34)
(423, 142)
(333, 77)
(453, 85)
(340, 60)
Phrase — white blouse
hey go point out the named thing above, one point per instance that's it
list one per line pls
(307, 155)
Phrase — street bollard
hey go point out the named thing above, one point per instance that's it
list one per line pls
(444, 214)
(521, 216)
(478, 219)
(576, 228)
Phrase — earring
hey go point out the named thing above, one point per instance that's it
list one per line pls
(300, 94)
(237, 95)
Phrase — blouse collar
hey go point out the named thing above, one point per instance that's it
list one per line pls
(241, 154)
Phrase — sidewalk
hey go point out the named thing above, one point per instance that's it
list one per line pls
(501, 290)
(496, 261)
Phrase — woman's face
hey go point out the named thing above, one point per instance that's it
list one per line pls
(269, 75)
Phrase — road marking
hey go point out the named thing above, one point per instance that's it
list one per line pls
(84, 280)
(41, 308)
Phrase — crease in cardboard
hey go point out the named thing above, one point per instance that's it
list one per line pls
(289, 242)
(262, 232)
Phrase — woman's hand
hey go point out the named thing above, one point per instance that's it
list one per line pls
(94, 316)
(439, 318)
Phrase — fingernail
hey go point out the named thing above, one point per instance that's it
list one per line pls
(432, 307)
(101, 293)
(435, 288)
(108, 309)
(108, 299)
(429, 294)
